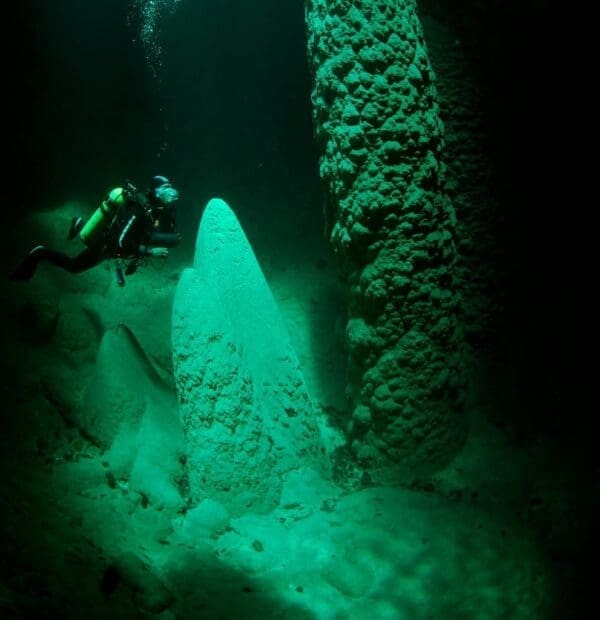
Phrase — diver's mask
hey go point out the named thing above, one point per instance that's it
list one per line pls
(166, 194)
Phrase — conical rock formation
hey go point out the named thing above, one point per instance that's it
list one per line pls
(247, 417)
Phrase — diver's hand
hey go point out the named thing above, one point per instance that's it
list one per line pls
(159, 252)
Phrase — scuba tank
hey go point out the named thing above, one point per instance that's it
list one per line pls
(103, 216)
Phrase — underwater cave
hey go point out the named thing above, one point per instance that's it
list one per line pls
(357, 386)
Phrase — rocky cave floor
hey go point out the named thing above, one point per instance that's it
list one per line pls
(498, 534)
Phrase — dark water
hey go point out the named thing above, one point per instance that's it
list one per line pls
(227, 113)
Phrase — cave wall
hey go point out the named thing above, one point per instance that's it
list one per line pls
(480, 225)
(393, 228)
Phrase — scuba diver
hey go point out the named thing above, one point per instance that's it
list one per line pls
(129, 226)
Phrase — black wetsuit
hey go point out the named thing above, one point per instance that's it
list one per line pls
(134, 230)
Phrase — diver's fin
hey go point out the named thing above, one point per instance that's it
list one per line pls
(28, 265)
(76, 226)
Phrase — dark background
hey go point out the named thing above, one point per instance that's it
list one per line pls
(531, 62)
(229, 115)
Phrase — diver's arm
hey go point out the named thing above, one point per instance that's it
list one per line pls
(135, 237)
(169, 240)
(156, 252)
(128, 244)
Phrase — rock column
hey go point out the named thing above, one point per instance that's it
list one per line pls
(377, 122)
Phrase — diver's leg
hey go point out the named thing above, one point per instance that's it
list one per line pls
(88, 258)
(28, 265)
(84, 260)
